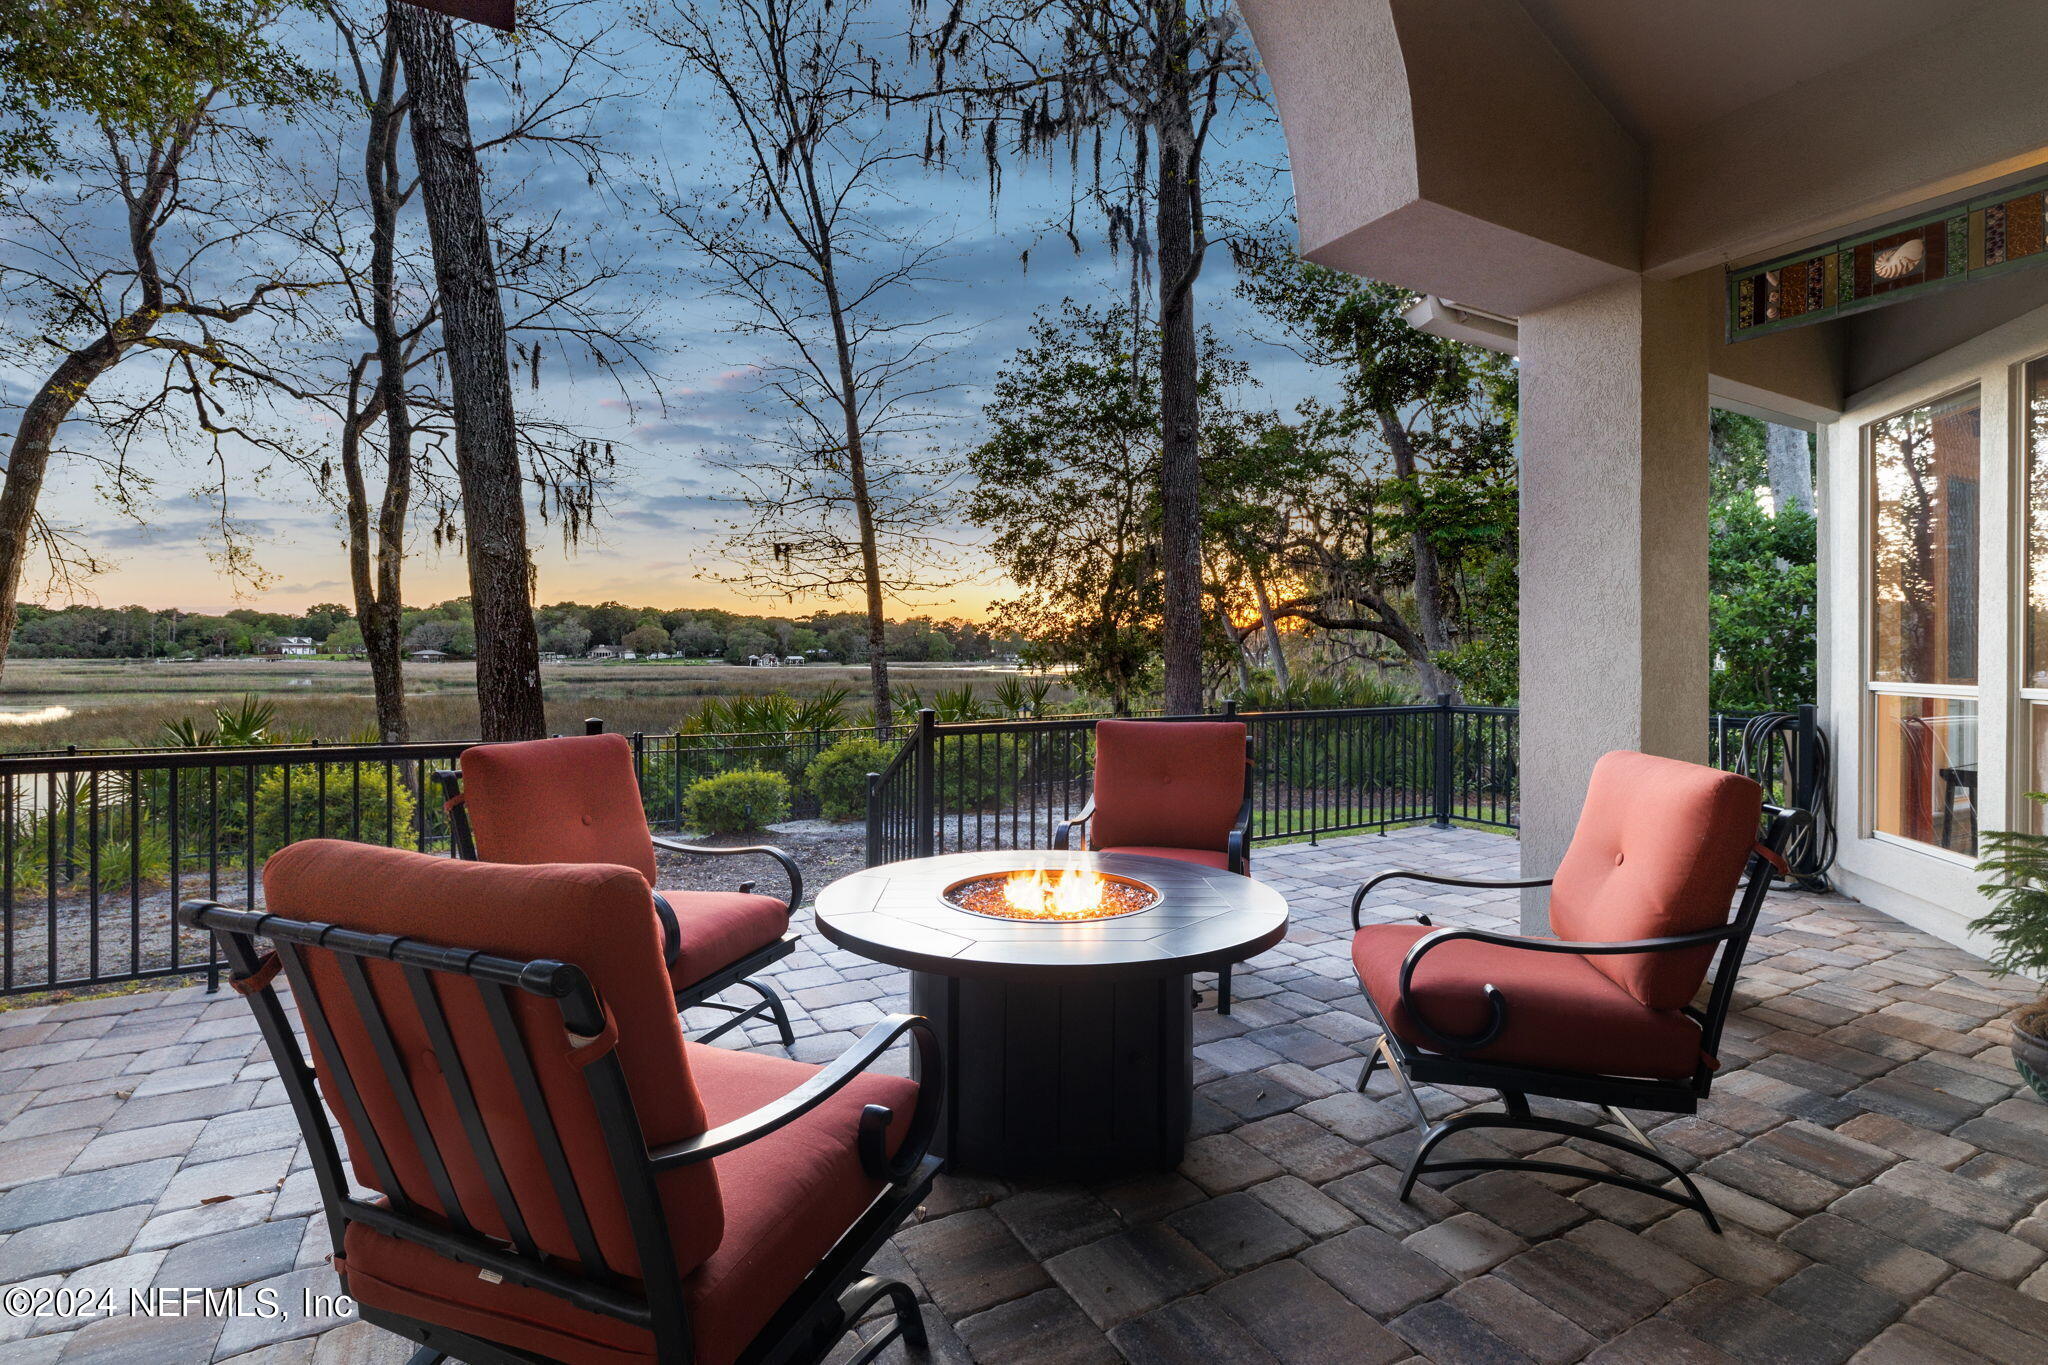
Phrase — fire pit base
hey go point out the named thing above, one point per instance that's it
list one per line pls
(1062, 1080)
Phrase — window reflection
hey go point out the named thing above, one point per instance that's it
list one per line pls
(1924, 472)
(1925, 770)
(2037, 531)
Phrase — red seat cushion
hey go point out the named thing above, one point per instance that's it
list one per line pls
(569, 800)
(1167, 784)
(788, 1199)
(1206, 857)
(1562, 1012)
(718, 928)
(1659, 849)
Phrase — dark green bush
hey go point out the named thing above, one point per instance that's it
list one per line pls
(839, 776)
(736, 803)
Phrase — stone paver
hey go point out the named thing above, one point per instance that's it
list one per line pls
(1883, 1176)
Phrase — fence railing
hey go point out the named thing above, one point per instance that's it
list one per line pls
(1009, 784)
(98, 848)
(958, 788)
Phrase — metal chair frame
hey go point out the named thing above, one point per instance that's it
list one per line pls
(834, 1297)
(1237, 847)
(1444, 1063)
(698, 994)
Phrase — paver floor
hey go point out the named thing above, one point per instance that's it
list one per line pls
(1881, 1172)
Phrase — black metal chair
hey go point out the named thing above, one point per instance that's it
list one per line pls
(547, 1184)
(1528, 1016)
(577, 799)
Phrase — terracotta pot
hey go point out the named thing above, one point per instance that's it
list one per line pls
(2030, 1056)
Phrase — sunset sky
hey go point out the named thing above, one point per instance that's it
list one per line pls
(659, 541)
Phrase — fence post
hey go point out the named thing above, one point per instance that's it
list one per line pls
(1230, 706)
(593, 725)
(874, 853)
(927, 759)
(1443, 761)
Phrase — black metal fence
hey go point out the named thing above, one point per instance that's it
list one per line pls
(98, 848)
(958, 788)
(1009, 784)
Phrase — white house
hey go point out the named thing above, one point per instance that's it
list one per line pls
(297, 645)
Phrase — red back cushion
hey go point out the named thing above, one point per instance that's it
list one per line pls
(1169, 784)
(1659, 850)
(571, 800)
(598, 917)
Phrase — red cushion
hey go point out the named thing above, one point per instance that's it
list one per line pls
(719, 928)
(789, 1197)
(596, 916)
(1167, 784)
(570, 800)
(1206, 857)
(1563, 1013)
(1659, 850)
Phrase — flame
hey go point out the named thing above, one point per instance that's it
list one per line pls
(1074, 894)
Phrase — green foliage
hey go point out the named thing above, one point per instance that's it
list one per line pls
(839, 776)
(246, 724)
(359, 801)
(134, 67)
(1762, 579)
(2015, 863)
(56, 842)
(737, 802)
(1324, 694)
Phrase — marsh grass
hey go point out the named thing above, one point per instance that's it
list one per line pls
(107, 704)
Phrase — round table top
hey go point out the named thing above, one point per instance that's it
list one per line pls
(1205, 918)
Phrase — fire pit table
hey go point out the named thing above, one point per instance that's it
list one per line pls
(1068, 1041)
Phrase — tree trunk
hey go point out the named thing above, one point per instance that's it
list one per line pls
(1435, 628)
(1272, 628)
(508, 688)
(28, 460)
(1180, 470)
(1791, 468)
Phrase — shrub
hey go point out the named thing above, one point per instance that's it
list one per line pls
(359, 801)
(839, 776)
(737, 803)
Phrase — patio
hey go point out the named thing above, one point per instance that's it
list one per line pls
(1882, 1178)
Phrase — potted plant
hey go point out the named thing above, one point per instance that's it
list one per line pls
(2016, 862)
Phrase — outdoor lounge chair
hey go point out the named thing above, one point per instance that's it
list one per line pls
(556, 1173)
(1604, 1014)
(1171, 789)
(577, 800)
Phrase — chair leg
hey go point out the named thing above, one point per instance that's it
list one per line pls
(426, 1355)
(1517, 1115)
(769, 1004)
(1223, 989)
(773, 999)
(908, 1325)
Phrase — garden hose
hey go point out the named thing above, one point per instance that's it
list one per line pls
(1768, 752)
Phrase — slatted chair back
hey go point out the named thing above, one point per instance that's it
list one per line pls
(502, 1105)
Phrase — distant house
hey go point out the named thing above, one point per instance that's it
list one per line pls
(609, 652)
(428, 656)
(296, 646)
(550, 656)
(763, 661)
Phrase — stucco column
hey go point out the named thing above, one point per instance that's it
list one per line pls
(1614, 547)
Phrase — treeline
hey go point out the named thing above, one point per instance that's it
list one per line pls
(571, 629)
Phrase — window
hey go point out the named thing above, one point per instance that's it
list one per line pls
(2034, 659)
(1924, 590)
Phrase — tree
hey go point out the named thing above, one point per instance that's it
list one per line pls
(566, 638)
(1066, 485)
(1154, 75)
(480, 377)
(812, 250)
(174, 166)
(1762, 573)
(697, 639)
(647, 638)
(1411, 506)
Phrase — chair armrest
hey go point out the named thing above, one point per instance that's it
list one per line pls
(1496, 1001)
(1078, 820)
(789, 867)
(874, 1119)
(1358, 899)
(1238, 848)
